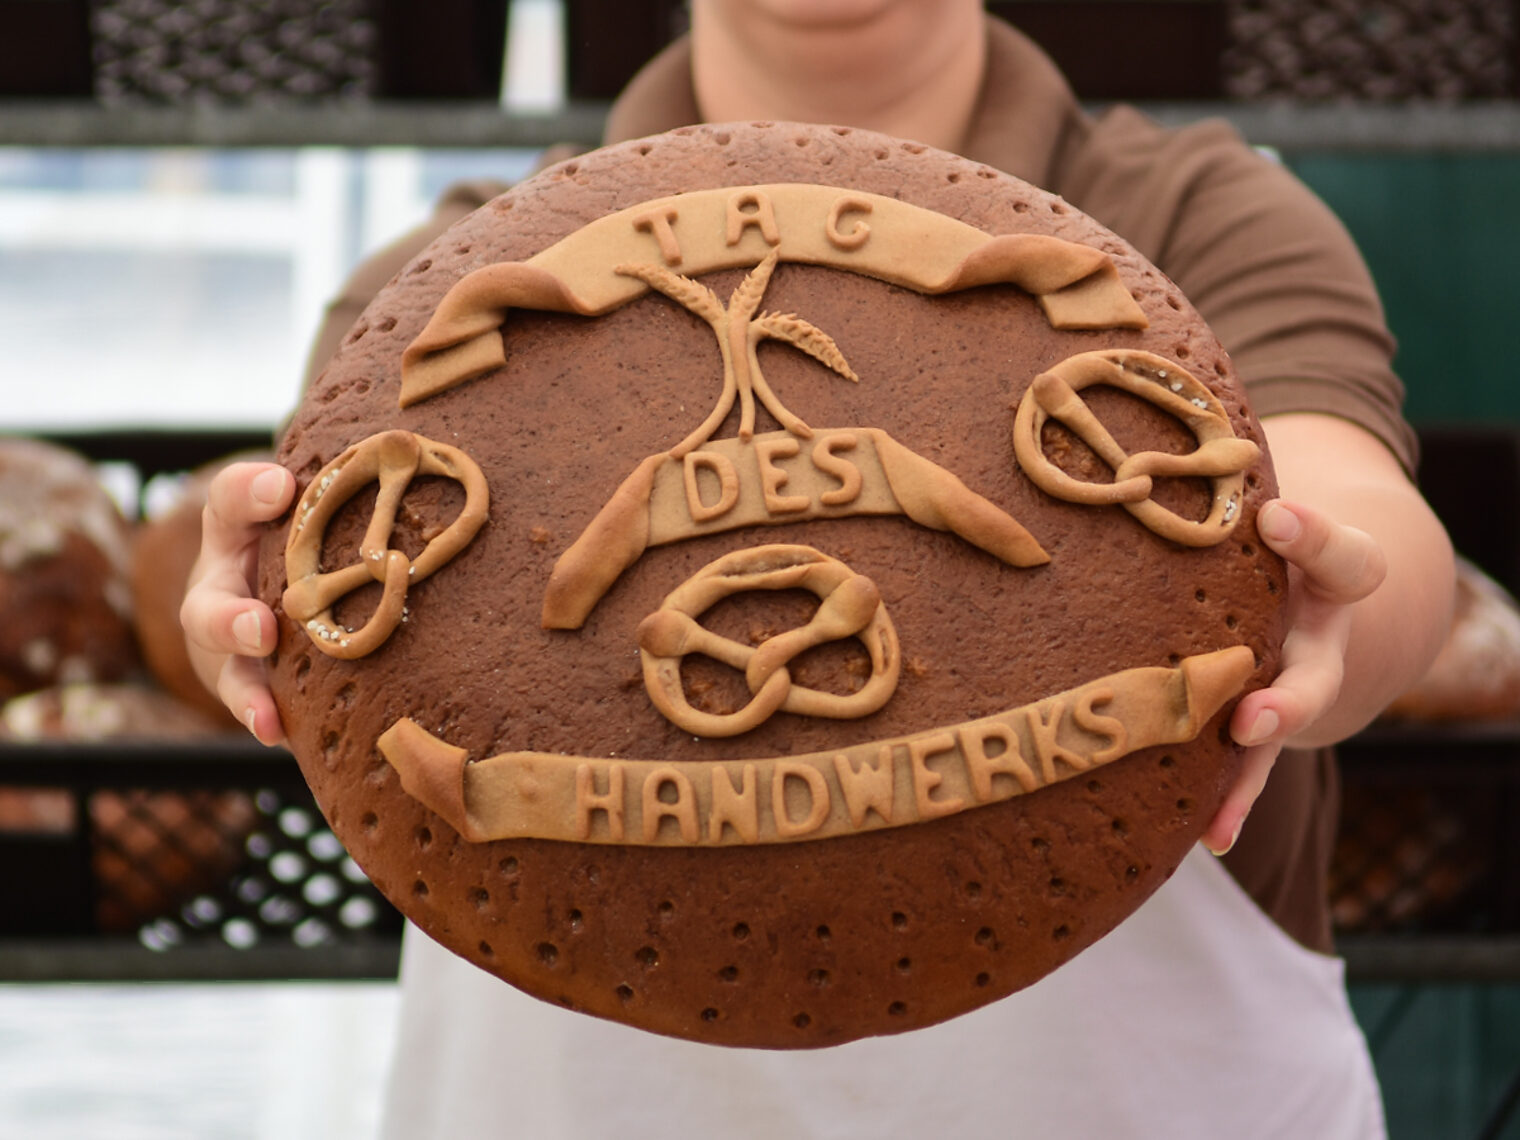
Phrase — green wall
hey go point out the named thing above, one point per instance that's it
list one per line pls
(1441, 233)
(1445, 1056)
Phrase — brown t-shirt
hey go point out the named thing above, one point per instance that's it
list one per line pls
(1266, 263)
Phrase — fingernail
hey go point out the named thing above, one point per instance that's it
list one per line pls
(1278, 523)
(250, 718)
(246, 631)
(1262, 728)
(1234, 838)
(268, 487)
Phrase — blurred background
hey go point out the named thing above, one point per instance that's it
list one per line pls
(183, 185)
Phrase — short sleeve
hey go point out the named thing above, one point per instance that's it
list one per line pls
(1267, 264)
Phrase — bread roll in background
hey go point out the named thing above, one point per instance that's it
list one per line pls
(65, 552)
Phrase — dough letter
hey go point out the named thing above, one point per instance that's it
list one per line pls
(728, 484)
(589, 800)
(825, 459)
(818, 799)
(763, 217)
(657, 222)
(772, 478)
(925, 780)
(858, 232)
(738, 807)
(683, 810)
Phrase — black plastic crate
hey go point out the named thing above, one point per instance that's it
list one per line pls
(1427, 839)
(181, 860)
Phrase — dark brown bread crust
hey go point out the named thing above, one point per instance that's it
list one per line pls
(792, 945)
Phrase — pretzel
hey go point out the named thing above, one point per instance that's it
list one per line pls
(1221, 457)
(850, 606)
(394, 459)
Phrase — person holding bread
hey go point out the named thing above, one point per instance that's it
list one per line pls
(1219, 1003)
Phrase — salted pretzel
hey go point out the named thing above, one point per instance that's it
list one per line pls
(394, 459)
(1221, 457)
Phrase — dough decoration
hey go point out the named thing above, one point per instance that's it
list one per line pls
(1076, 286)
(885, 783)
(850, 606)
(393, 459)
(772, 478)
(647, 509)
(740, 329)
(1221, 457)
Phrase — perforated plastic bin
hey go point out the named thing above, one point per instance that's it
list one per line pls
(1425, 882)
(159, 861)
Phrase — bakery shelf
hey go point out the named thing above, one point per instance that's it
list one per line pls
(121, 960)
(1296, 127)
(1417, 958)
(86, 123)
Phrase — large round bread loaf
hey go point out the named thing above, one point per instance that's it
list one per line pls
(750, 648)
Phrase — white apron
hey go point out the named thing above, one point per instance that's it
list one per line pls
(1197, 1018)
